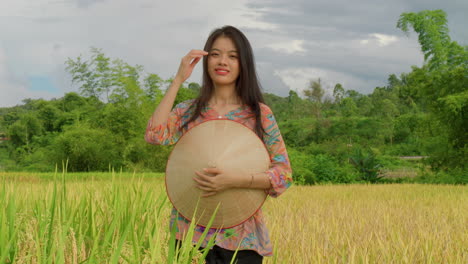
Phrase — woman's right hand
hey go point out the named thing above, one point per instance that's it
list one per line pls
(187, 64)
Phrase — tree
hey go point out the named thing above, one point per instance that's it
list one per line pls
(72, 101)
(338, 93)
(195, 87)
(405, 89)
(367, 164)
(445, 86)
(100, 77)
(81, 73)
(432, 29)
(49, 114)
(152, 84)
(348, 107)
(364, 105)
(295, 106)
(355, 95)
(24, 130)
(315, 91)
(102, 72)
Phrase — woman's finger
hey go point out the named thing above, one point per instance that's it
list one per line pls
(191, 56)
(195, 61)
(205, 189)
(188, 59)
(188, 62)
(203, 183)
(198, 52)
(212, 170)
(208, 194)
(204, 178)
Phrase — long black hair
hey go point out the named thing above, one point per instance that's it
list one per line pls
(247, 85)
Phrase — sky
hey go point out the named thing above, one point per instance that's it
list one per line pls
(355, 43)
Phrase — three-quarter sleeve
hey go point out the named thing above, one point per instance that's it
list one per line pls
(280, 172)
(167, 133)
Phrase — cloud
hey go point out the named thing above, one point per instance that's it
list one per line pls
(381, 39)
(87, 3)
(290, 47)
(39, 36)
(298, 79)
(357, 43)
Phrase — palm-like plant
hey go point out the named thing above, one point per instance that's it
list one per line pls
(367, 165)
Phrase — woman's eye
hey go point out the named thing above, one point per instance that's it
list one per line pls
(233, 56)
(214, 54)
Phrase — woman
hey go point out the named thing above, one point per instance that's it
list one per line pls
(230, 90)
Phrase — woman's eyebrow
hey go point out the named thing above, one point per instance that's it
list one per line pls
(215, 49)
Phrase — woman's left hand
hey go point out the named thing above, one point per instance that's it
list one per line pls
(211, 185)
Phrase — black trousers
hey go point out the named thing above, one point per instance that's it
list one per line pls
(218, 255)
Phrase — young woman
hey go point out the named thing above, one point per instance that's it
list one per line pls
(230, 90)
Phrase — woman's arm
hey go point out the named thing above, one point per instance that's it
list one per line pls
(280, 172)
(163, 121)
(161, 114)
(163, 126)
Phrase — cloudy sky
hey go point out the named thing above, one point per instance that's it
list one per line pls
(355, 43)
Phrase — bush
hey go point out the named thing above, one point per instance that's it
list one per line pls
(141, 156)
(455, 176)
(88, 149)
(300, 167)
(37, 161)
(321, 168)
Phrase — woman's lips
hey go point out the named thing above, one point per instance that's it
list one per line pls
(221, 72)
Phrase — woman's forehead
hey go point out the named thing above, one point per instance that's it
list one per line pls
(224, 44)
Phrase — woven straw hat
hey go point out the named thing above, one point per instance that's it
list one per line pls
(227, 145)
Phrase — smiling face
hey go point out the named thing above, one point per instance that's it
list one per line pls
(223, 62)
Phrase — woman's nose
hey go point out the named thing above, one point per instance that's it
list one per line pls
(223, 60)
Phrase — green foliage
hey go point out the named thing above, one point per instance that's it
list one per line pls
(87, 149)
(23, 131)
(431, 26)
(321, 168)
(327, 169)
(338, 92)
(367, 165)
(140, 156)
(300, 165)
(456, 176)
(153, 84)
(315, 91)
(348, 107)
(444, 84)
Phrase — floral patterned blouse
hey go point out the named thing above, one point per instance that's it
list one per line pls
(253, 233)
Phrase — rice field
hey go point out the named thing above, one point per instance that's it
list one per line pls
(123, 218)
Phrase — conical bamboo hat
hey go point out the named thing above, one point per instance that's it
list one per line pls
(227, 145)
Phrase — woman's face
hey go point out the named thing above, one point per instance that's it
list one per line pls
(223, 62)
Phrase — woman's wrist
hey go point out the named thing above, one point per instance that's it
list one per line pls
(255, 181)
(177, 81)
(245, 181)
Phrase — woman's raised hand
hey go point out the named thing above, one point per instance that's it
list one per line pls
(187, 64)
